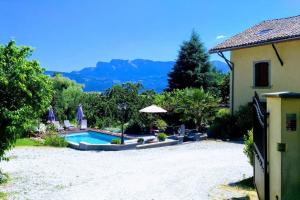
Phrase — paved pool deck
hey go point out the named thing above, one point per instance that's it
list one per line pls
(188, 171)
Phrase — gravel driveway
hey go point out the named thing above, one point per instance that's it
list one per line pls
(189, 171)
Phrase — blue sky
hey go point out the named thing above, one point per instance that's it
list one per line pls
(69, 35)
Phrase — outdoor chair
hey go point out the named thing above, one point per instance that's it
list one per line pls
(68, 125)
(83, 124)
(57, 126)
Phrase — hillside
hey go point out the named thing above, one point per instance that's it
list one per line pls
(152, 74)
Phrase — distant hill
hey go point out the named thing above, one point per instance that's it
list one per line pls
(220, 66)
(152, 74)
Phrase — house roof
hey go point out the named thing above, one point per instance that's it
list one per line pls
(266, 32)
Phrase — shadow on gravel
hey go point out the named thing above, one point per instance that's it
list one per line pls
(245, 184)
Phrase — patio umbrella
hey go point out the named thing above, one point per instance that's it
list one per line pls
(153, 109)
(79, 115)
(51, 117)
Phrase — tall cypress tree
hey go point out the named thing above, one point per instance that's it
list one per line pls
(192, 67)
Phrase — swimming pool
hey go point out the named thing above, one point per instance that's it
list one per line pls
(91, 137)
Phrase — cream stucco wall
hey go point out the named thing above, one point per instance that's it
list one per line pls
(282, 78)
(290, 159)
(274, 137)
(284, 170)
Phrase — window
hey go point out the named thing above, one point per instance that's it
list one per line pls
(264, 31)
(261, 74)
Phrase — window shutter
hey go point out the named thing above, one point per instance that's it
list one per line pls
(262, 74)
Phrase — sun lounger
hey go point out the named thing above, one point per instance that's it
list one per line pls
(68, 125)
(194, 135)
(83, 125)
(57, 126)
(149, 139)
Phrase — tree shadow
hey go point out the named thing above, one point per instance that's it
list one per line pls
(245, 184)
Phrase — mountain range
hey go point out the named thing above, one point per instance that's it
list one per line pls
(152, 74)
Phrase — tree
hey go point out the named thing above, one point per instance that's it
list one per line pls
(66, 98)
(125, 93)
(225, 88)
(197, 106)
(192, 68)
(94, 106)
(25, 93)
(191, 106)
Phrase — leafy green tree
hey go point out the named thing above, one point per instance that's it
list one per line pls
(125, 93)
(192, 68)
(224, 87)
(66, 98)
(169, 101)
(197, 106)
(94, 107)
(190, 106)
(25, 93)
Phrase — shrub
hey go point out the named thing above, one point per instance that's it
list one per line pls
(161, 137)
(3, 178)
(51, 128)
(140, 140)
(244, 118)
(226, 126)
(223, 125)
(55, 140)
(249, 147)
(103, 122)
(134, 127)
(116, 141)
(160, 124)
(32, 129)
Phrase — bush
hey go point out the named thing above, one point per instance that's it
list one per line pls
(3, 178)
(226, 126)
(244, 118)
(223, 125)
(55, 140)
(160, 124)
(116, 141)
(161, 137)
(103, 122)
(249, 147)
(134, 128)
(32, 129)
(51, 128)
(140, 140)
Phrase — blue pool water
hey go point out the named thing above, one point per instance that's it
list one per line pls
(91, 138)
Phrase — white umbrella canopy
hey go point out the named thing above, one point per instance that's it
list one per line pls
(153, 109)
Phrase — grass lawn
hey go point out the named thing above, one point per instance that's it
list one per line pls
(27, 142)
(3, 195)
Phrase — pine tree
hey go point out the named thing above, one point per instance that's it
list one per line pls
(192, 67)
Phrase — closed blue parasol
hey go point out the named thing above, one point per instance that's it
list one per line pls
(79, 115)
(51, 117)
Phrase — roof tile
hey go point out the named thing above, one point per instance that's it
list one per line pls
(267, 31)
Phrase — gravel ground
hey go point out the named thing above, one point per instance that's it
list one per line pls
(189, 171)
